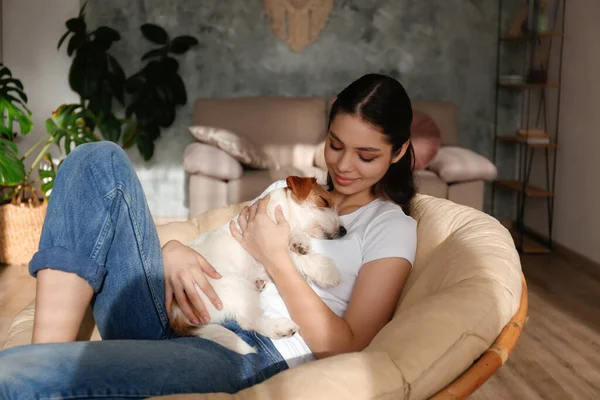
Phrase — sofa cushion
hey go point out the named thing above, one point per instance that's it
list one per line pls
(429, 183)
(234, 144)
(425, 139)
(205, 159)
(457, 164)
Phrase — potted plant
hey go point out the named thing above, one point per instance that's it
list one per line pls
(21, 210)
(149, 98)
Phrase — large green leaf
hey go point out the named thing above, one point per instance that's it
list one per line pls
(76, 25)
(47, 173)
(145, 146)
(10, 114)
(155, 33)
(181, 44)
(110, 127)
(12, 170)
(70, 126)
(13, 105)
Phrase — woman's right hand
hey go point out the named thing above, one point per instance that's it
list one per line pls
(185, 271)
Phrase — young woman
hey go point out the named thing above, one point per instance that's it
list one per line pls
(99, 245)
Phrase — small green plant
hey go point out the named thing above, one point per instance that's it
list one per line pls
(67, 127)
(14, 111)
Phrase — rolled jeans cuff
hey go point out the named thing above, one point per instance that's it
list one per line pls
(61, 259)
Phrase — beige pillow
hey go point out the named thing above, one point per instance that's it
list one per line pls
(200, 158)
(457, 164)
(241, 148)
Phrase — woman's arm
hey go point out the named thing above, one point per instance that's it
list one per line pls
(375, 295)
(374, 298)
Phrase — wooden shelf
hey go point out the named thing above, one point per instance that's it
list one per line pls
(529, 85)
(530, 36)
(530, 191)
(522, 140)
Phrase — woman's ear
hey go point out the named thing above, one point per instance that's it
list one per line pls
(401, 152)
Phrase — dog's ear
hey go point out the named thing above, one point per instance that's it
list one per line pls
(300, 186)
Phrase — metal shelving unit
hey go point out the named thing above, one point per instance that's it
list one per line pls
(534, 133)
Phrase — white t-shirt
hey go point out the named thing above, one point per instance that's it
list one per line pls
(379, 229)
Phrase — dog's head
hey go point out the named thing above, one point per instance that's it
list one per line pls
(311, 209)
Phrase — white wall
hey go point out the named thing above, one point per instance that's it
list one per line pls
(577, 191)
(30, 33)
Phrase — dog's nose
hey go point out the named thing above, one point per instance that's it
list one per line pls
(342, 231)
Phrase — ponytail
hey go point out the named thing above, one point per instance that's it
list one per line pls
(398, 184)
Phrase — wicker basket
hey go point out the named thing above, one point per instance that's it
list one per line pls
(21, 227)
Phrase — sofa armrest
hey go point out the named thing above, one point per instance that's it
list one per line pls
(457, 164)
(201, 158)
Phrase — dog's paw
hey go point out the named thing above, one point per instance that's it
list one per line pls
(277, 328)
(300, 248)
(328, 275)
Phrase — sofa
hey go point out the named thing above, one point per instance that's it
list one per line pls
(273, 137)
(459, 316)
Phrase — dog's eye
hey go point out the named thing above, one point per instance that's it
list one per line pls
(324, 202)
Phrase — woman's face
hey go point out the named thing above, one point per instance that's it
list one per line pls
(357, 154)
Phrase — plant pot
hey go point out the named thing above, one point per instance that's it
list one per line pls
(20, 230)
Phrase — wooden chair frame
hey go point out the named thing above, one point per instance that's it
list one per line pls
(494, 358)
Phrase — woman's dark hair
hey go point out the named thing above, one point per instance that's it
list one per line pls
(382, 102)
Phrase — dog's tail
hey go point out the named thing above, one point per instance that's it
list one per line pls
(217, 333)
(224, 337)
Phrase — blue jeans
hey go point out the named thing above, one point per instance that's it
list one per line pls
(99, 227)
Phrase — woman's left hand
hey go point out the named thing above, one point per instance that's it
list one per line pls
(265, 240)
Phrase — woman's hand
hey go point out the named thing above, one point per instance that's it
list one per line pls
(185, 271)
(265, 240)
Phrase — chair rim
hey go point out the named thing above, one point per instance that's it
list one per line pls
(493, 358)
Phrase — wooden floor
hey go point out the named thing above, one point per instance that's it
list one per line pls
(557, 357)
(558, 354)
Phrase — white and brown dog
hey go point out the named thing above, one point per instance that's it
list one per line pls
(310, 212)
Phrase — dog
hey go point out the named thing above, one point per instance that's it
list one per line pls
(311, 213)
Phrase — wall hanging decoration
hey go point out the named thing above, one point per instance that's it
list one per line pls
(298, 22)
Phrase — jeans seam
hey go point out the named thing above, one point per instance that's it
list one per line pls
(138, 236)
(274, 358)
(105, 228)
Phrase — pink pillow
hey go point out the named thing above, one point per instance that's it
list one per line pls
(425, 138)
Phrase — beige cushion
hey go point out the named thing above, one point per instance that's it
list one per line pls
(239, 147)
(457, 164)
(205, 159)
(465, 286)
